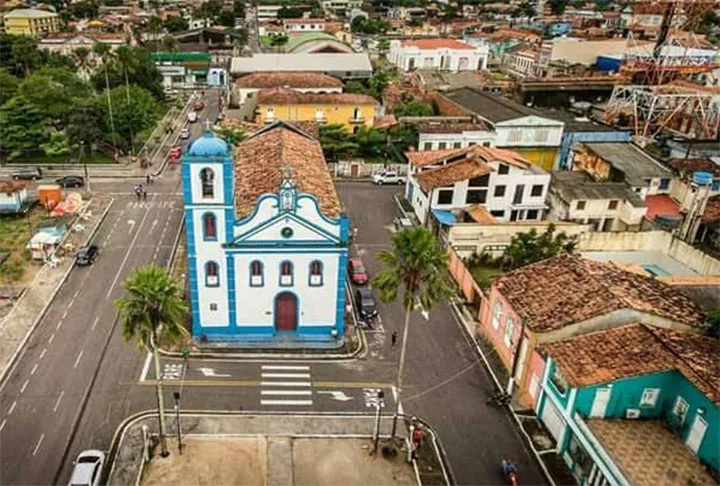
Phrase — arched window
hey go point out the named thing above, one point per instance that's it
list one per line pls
(286, 274)
(207, 179)
(212, 274)
(256, 274)
(316, 273)
(209, 227)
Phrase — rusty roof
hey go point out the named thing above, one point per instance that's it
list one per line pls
(480, 214)
(711, 214)
(260, 158)
(451, 173)
(8, 186)
(431, 157)
(484, 154)
(687, 167)
(281, 96)
(288, 80)
(568, 289)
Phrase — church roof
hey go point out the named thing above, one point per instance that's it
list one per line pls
(258, 168)
(209, 145)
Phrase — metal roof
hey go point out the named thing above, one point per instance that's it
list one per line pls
(575, 186)
(636, 165)
(335, 62)
(491, 107)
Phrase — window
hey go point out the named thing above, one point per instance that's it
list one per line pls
(213, 306)
(680, 410)
(445, 196)
(212, 278)
(481, 181)
(664, 184)
(509, 325)
(256, 274)
(514, 135)
(499, 191)
(270, 113)
(319, 114)
(427, 146)
(559, 381)
(498, 213)
(207, 179)
(286, 274)
(497, 314)
(316, 273)
(532, 214)
(536, 190)
(476, 197)
(356, 114)
(649, 397)
(503, 169)
(542, 135)
(580, 206)
(486, 144)
(442, 146)
(209, 227)
(612, 205)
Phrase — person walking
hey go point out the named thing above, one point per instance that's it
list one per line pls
(393, 339)
(144, 194)
(147, 179)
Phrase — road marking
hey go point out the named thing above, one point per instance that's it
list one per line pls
(286, 402)
(43, 353)
(51, 339)
(286, 392)
(77, 361)
(211, 372)
(127, 255)
(57, 404)
(37, 447)
(146, 367)
(286, 375)
(284, 367)
(64, 315)
(33, 370)
(285, 383)
(12, 407)
(97, 318)
(24, 385)
(72, 301)
(57, 328)
(337, 395)
(2, 425)
(76, 294)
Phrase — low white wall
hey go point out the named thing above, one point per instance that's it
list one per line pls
(362, 169)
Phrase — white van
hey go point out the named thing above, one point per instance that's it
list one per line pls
(192, 116)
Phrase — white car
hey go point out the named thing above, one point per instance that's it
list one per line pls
(388, 178)
(184, 133)
(192, 116)
(88, 468)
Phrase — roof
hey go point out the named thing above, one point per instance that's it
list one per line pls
(489, 106)
(431, 157)
(8, 186)
(260, 158)
(29, 12)
(637, 349)
(334, 62)
(451, 173)
(484, 154)
(661, 205)
(712, 211)
(576, 186)
(450, 127)
(289, 80)
(573, 122)
(568, 289)
(428, 44)
(635, 164)
(302, 21)
(296, 40)
(480, 214)
(288, 96)
(687, 167)
(208, 146)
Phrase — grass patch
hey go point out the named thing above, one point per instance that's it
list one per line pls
(483, 274)
(42, 159)
(15, 232)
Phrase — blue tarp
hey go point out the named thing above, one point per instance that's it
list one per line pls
(444, 217)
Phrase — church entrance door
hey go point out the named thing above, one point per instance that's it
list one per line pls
(286, 314)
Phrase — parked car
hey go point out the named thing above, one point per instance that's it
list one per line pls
(356, 271)
(402, 223)
(71, 181)
(87, 255)
(28, 174)
(366, 304)
(88, 468)
(199, 105)
(389, 177)
(192, 117)
(184, 133)
(175, 152)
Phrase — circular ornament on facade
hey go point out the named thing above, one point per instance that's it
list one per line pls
(286, 232)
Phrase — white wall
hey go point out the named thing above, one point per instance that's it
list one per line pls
(529, 131)
(474, 60)
(206, 251)
(196, 184)
(464, 139)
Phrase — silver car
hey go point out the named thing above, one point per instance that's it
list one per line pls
(88, 468)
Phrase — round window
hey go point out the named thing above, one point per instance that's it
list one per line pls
(286, 232)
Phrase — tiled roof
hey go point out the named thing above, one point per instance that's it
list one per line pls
(430, 157)
(638, 349)
(687, 167)
(260, 158)
(290, 80)
(712, 211)
(568, 289)
(428, 44)
(280, 96)
(8, 186)
(451, 173)
(303, 21)
(485, 154)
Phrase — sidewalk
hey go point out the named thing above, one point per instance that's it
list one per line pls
(16, 327)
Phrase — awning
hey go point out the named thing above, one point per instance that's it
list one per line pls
(444, 217)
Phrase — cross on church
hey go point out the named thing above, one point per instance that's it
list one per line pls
(286, 171)
(207, 124)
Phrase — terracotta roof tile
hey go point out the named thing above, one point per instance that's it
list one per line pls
(431, 157)
(485, 154)
(687, 167)
(712, 211)
(451, 173)
(260, 158)
(280, 96)
(290, 80)
(8, 186)
(437, 44)
(568, 289)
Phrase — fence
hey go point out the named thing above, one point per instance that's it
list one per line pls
(468, 286)
(359, 169)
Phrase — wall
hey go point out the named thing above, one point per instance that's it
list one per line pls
(529, 131)
(341, 114)
(244, 93)
(432, 141)
(459, 59)
(12, 200)
(447, 107)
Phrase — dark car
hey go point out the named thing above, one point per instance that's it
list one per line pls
(28, 174)
(87, 255)
(366, 304)
(356, 271)
(71, 181)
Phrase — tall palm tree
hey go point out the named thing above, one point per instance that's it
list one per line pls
(153, 311)
(103, 52)
(83, 61)
(128, 63)
(416, 268)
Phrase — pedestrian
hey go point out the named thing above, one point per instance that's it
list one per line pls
(147, 179)
(354, 234)
(144, 195)
(393, 339)
(137, 192)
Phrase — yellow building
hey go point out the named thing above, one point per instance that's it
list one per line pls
(28, 21)
(348, 109)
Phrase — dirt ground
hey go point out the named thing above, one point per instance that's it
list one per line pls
(333, 462)
(210, 461)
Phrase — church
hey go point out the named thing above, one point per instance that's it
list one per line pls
(267, 240)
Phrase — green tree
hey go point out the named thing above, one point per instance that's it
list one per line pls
(155, 26)
(413, 108)
(54, 92)
(128, 63)
(239, 9)
(226, 18)
(25, 53)
(176, 23)
(383, 45)
(357, 87)
(531, 247)
(22, 127)
(103, 52)
(416, 268)
(232, 135)
(58, 144)
(153, 313)
(336, 142)
(371, 142)
(140, 111)
(557, 7)
(83, 61)
(170, 44)
(85, 123)
(278, 41)
(713, 323)
(290, 13)
(8, 86)
(378, 82)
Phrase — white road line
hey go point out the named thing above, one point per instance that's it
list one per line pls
(37, 447)
(43, 353)
(33, 370)
(286, 392)
(76, 294)
(77, 361)
(57, 404)
(285, 367)
(2, 425)
(286, 375)
(64, 315)
(12, 407)
(22, 390)
(286, 402)
(146, 367)
(97, 318)
(72, 301)
(57, 328)
(50, 340)
(127, 254)
(285, 383)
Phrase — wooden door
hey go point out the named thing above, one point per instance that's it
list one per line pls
(285, 312)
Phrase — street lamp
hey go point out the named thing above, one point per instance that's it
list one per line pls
(379, 403)
(176, 396)
(80, 158)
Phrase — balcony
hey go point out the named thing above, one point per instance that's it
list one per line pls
(357, 119)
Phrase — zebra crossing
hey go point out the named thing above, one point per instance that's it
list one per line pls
(285, 385)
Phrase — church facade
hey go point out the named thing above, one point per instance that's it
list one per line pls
(267, 240)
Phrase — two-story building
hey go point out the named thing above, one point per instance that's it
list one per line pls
(299, 26)
(436, 133)
(438, 54)
(636, 404)
(248, 86)
(267, 240)
(30, 21)
(522, 63)
(505, 184)
(182, 70)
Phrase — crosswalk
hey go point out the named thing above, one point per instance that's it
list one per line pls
(285, 385)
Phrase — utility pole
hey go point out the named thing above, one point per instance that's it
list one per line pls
(176, 396)
(85, 169)
(379, 404)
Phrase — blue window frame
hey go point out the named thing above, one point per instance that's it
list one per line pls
(209, 225)
(212, 274)
(664, 183)
(257, 277)
(315, 274)
(286, 274)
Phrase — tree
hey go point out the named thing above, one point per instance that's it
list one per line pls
(83, 61)
(85, 123)
(128, 63)
(336, 142)
(8, 86)
(226, 18)
(232, 135)
(239, 9)
(369, 26)
(713, 323)
(54, 91)
(103, 51)
(290, 13)
(153, 313)
(279, 40)
(59, 144)
(355, 86)
(383, 45)
(176, 23)
(25, 53)
(531, 247)
(557, 7)
(170, 44)
(155, 26)
(416, 268)
(413, 108)
(371, 142)
(22, 127)
(131, 114)
(378, 82)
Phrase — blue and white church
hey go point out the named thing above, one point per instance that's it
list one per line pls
(267, 240)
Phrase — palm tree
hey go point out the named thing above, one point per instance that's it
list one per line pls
(383, 45)
(128, 63)
(170, 44)
(153, 311)
(416, 267)
(103, 52)
(82, 59)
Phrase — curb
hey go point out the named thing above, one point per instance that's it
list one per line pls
(29, 332)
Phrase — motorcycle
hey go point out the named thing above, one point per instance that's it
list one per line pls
(510, 472)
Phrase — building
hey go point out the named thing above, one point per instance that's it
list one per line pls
(517, 127)
(569, 51)
(29, 21)
(604, 206)
(682, 189)
(348, 109)
(521, 63)
(437, 54)
(13, 197)
(340, 65)
(568, 296)
(182, 70)
(636, 404)
(267, 240)
(298, 26)
(435, 133)
(507, 186)
(267, 12)
(316, 43)
(67, 43)
(339, 8)
(248, 86)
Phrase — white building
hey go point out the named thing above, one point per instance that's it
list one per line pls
(267, 12)
(13, 197)
(248, 86)
(435, 134)
(297, 26)
(67, 43)
(522, 63)
(503, 183)
(340, 6)
(438, 54)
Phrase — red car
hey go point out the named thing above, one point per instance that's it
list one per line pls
(357, 272)
(199, 105)
(175, 153)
